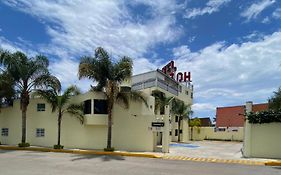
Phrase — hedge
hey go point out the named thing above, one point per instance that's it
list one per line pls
(264, 117)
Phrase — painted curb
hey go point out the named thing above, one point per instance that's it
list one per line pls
(80, 151)
(216, 160)
(273, 163)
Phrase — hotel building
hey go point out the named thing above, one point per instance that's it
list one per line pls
(132, 127)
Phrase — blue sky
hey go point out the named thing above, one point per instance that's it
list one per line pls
(231, 47)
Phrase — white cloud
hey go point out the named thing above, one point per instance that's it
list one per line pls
(266, 20)
(255, 9)
(203, 106)
(81, 26)
(230, 75)
(277, 13)
(211, 7)
(66, 70)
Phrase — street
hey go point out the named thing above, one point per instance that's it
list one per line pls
(29, 163)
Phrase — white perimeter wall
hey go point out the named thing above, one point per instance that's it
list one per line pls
(209, 133)
(265, 140)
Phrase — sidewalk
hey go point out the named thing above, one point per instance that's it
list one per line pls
(167, 156)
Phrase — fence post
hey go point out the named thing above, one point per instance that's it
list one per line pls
(247, 132)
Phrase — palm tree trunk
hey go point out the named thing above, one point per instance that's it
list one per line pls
(179, 127)
(191, 133)
(109, 129)
(23, 112)
(59, 127)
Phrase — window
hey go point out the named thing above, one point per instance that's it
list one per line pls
(177, 119)
(176, 132)
(181, 131)
(41, 107)
(170, 133)
(186, 92)
(191, 95)
(87, 107)
(5, 132)
(40, 132)
(100, 106)
(162, 110)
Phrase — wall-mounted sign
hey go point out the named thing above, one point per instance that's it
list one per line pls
(171, 70)
(157, 124)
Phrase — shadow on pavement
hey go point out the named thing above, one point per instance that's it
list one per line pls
(6, 151)
(103, 157)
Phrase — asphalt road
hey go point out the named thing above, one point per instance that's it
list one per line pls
(38, 163)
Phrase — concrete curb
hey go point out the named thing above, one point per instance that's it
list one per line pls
(89, 152)
(273, 163)
(216, 160)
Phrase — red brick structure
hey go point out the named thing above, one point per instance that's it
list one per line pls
(233, 116)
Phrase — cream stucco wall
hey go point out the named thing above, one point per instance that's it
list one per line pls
(130, 126)
(209, 133)
(265, 140)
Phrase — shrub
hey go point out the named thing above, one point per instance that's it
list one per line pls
(24, 145)
(58, 146)
(109, 149)
(264, 117)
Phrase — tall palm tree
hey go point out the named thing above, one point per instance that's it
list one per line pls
(160, 101)
(109, 75)
(60, 104)
(183, 112)
(27, 73)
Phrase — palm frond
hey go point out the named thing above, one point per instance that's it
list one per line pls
(76, 110)
(70, 91)
(125, 97)
(123, 69)
(47, 81)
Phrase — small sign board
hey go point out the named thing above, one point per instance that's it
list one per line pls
(157, 124)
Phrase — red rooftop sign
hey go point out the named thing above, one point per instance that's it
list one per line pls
(170, 70)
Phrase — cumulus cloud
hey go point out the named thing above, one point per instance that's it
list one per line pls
(211, 7)
(230, 75)
(80, 27)
(255, 9)
(277, 13)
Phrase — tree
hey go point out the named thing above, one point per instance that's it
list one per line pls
(160, 101)
(275, 100)
(7, 91)
(194, 123)
(109, 75)
(60, 103)
(27, 74)
(183, 111)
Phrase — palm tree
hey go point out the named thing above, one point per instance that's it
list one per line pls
(160, 101)
(27, 74)
(109, 75)
(194, 123)
(60, 104)
(183, 112)
(275, 100)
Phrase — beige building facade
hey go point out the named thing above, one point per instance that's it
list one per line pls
(132, 127)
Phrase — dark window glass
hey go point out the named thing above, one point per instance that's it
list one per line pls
(40, 132)
(125, 89)
(170, 133)
(5, 132)
(100, 106)
(191, 95)
(41, 107)
(177, 119)
(162, 110)
(181, 131)
(176, 132)
(87, 107)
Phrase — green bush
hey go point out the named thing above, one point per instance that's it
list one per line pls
(264, 117)
(109, 149)
(58, 146)
(24, 145)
